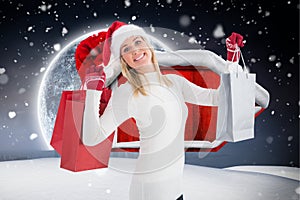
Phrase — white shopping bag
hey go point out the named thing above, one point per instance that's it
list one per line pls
(236, 111)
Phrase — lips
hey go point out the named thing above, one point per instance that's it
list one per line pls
(139, 58)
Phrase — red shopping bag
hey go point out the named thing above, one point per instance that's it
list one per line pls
(56, 139)
(66, 138)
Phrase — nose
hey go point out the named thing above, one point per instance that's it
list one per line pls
(135, 50)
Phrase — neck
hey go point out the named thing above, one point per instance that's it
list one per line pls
(146, 69)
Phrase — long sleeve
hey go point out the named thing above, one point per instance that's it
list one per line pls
(95, 129)
(195, 94)
(206, 58)
(194, 57)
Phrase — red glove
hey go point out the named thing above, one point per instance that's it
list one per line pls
(89, 64)
(94, 78)
(89, 55)
(233, 44)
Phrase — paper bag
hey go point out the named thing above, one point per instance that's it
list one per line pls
(75, 156)
(236, 111)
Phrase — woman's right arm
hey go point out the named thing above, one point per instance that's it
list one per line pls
(95, 129)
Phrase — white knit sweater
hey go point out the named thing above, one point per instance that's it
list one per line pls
(160, 118)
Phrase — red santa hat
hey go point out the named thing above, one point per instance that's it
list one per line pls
(117, 33)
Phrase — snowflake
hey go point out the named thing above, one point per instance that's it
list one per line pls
(64, 31)
(2, 70)
(192, 40)
(272, 58)
(33, 136)
(57, 47)
(22, 91)
(44, 7)
(184, 20)
(269, 139)
(133, 18)
(3, 79)
(48, 29)
(278, 64)
(272, 112)
(218, 31)
(12, 114)
(127, 3)
(42, 69)
(152, 28)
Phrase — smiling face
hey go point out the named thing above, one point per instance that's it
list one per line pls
(137, 54)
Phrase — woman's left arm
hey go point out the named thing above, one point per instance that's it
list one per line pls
(195, 94)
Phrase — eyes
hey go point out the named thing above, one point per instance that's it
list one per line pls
(128, 48)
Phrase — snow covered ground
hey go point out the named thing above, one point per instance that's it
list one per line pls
(43, 179)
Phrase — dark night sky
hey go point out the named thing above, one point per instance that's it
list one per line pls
(29, 31)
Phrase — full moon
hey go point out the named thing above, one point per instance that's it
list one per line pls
(61, 75)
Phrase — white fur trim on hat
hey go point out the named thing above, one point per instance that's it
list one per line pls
(121, 34)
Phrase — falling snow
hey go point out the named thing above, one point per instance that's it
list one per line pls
(127, 3)
(297, 190)
(269, 139)
(3, 79)
(42, 69)
(12, 114)
(133, 18)
(192, 40)
(218, 32)
(152, 29)
(33, 136)
(47, 29)
(278, 66)
(2, 71)
(64, 31)
(30, 28)
(44, 8)
(56, 47)
(290, 138)
(272, 112)
(272, 58)
(184, 20)
(22, 91)
(253, 60)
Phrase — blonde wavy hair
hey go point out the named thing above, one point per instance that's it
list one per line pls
(133, 76)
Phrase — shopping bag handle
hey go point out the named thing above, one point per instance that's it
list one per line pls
(238, 49)
(92, 78)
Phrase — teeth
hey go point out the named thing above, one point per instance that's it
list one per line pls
(141, 56)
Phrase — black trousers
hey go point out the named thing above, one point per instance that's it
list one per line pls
(180, 198)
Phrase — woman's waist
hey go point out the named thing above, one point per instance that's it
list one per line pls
(159, 166)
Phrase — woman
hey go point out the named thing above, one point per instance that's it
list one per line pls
(157, 103)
